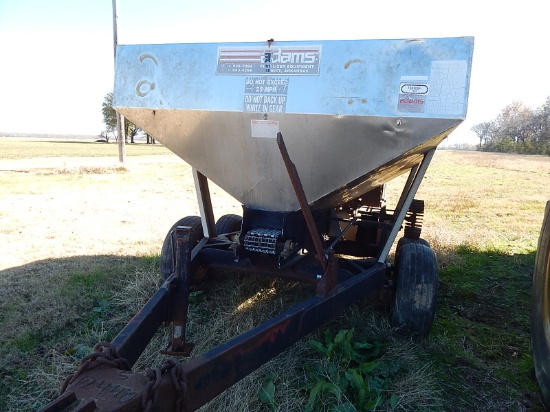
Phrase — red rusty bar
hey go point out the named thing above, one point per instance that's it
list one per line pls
(302, 200)
(180, 302)
(136, 335)
(210, 374)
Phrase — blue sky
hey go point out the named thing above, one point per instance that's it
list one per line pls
(57, 55)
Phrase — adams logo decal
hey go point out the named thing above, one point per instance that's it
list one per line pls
(282, 60)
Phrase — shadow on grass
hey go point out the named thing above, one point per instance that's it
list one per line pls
(480, 342)
(51, 309)
(46, 294)
(479, 348)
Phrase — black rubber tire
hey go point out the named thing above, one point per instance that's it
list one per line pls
(540, 309)
(228, 224)
(166, 264)
(405, 241)
(416, 289)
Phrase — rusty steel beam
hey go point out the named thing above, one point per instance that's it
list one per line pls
(136, 335)
(302, 200)
(179, 307)
(213, 372)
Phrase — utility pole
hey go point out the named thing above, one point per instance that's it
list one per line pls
(120, 129)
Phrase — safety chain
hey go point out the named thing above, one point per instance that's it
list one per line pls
(179, 382)
(105, 353)
(149, 396)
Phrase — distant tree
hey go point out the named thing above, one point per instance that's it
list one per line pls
(483, 131)
(109, 119)
(515, 123)
(104, 136)
(518, 129)
(109, 115)
(543, 128)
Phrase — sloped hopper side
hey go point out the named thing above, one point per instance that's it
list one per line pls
(354, 114)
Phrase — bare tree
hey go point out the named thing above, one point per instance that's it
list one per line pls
(483, 131)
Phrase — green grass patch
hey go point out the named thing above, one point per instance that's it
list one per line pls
(481, 335)
(27, 341)
(41, 347)
(87, 280)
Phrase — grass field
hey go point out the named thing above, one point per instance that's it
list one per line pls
(80, 255)
(28, 148)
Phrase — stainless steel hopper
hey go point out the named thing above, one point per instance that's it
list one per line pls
(354, 114)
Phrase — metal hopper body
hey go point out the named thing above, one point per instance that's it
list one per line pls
(304, 135)
(354, 113)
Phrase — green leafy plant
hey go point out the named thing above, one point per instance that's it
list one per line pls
(100, 311)
(353, 376)
(94, 327)
(267, 394)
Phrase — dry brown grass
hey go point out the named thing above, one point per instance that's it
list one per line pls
(59, 214)
(226, 308)
(70, 221)
(83, 170)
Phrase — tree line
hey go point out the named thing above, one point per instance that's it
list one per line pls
(517, 129)
(109, 119)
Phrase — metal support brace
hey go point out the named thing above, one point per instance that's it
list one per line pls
(205, 204)
(180, 294)
(409, 191)
(302, 200)
(407, 187)
(136, 335)
(328, 261)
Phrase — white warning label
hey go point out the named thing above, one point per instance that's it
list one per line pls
(264, 128)
(265, 94)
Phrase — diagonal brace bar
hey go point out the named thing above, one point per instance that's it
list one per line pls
(302, 200)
